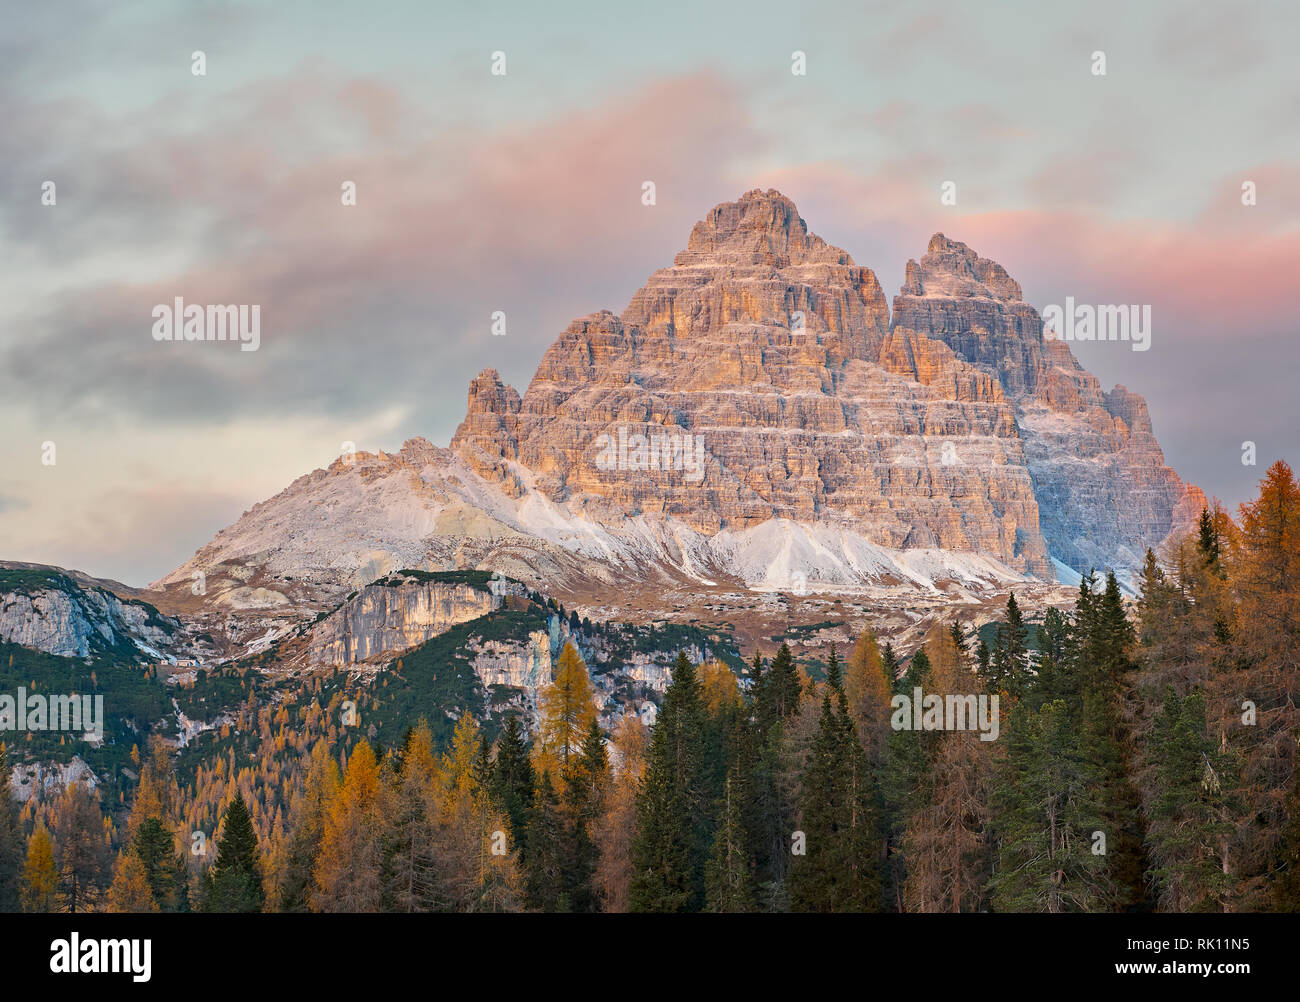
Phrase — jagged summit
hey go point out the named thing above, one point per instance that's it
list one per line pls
(951, 268)
(759, 228)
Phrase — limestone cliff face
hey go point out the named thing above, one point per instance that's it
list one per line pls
(386, 618)
(768, 353)
(1104, 492)
(50, 612)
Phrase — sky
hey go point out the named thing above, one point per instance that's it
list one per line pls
(479, 192)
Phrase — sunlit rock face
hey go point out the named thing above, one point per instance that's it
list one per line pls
(755, 415)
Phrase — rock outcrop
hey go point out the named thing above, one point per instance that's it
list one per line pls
(45, 609)
(395, 615)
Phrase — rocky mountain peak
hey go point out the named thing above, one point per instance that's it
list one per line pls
(760, 228)
(951, 268)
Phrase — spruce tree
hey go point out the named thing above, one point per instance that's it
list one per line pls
(670, 846)
(839, 871)
(1208, 540)
(1047, 809)
(234, 882)
(164, 870)
(511, 782)
(889, 662)
(1192, 818)
(1104, 650)
(729, 881)
(546, 857)
(778, 697)
(583, 800)
(1011, 654)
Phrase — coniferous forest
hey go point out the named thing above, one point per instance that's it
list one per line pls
(1144, 759)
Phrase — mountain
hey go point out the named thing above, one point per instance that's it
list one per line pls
(755, 421)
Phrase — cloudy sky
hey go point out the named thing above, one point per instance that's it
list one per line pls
(521, 193)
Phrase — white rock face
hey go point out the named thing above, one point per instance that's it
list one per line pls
(70, 621)
(384, 619)
(27, 779)
(530, 667)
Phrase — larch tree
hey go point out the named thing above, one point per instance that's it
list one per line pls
(615, 829)
(40, 876)
(82, 847)
(347, 873)
(409, 795)
(129, 891)
(945, 842)
(566, 708)
(292, 885)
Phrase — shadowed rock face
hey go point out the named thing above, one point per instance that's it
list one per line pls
(1104, 491)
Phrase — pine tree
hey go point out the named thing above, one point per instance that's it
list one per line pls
(512, 780)
(670, 846)
(729, 882)
(234, 882)
(164, 871)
